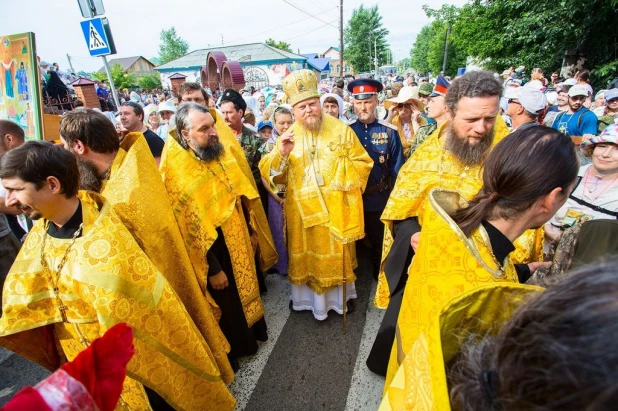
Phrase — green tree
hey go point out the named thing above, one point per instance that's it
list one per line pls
(527, 32)
(172, 46)
(121, 79)
(403, 65)
(363, 34)
(435, 56)
(150, 81)
(420, 50)
(281, 45)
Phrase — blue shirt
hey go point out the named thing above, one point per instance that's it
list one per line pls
(583, 121)
(382, 143)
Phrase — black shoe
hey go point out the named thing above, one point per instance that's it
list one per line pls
(351, 305)
(291, 305)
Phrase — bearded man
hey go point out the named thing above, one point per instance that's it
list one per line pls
(214, 204)
(325, 168)
(126, 175)
(450, 158)
(265, 253)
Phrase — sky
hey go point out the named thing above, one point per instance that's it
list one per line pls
(136, 24)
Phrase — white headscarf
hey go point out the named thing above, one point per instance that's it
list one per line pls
(339, 102)
(252, 104)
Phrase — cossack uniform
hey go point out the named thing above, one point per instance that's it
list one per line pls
(381, 141)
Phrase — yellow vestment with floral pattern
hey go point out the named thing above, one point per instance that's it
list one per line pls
(138, 197)
(108, 279)
(267, 254)
(446, 264)
(420, 383)
(210, 195)
(431, 166)
(323, 205)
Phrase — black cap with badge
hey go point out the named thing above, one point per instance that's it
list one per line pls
(234, 96)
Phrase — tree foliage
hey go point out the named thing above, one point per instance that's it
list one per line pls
(150, 81)
(534, 34)
(121, 79)
(420, 50)
(281, 45)
(362, 35)
(172, 46)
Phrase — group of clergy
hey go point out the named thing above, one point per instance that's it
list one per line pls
(175, 251)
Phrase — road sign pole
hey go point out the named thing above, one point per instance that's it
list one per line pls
(111, 83)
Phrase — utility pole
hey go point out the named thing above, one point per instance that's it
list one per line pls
(375, 55)
(341, 37)
(445, 60)
(70, 64)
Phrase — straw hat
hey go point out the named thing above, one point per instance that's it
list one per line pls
(408, 94)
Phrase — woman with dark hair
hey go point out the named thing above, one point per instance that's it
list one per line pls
(465, 245)
(517, 347)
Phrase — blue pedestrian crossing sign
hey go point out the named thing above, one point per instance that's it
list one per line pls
(98, 37)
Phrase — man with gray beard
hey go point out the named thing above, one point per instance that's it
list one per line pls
(451, 158)
(215, 205)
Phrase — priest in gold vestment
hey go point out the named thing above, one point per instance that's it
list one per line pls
(465, 245)
(263, 241)
(80, 272)
(214, 203)
(451, 158)
(126, 175)
(325, 169)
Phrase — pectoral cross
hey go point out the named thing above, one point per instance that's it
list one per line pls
(63, 308)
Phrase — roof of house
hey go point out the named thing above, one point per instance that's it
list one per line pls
(321, 64)
(332, 47)
(125, 62)
(309, 55)
(241, 53)
(177, 76)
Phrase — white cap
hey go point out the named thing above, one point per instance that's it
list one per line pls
(531, 99)
(167, 106)
(578, 90)
(570, 82)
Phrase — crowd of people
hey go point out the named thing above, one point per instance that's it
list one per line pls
(468, 195)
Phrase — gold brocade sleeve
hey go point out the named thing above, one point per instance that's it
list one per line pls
(139, 198)
(349, 178)
(108, 279)
(420, 383)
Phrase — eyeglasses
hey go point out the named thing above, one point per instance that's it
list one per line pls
(514, 101)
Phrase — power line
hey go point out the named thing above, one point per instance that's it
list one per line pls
(279, 27)
(309, 14)
(309, 32)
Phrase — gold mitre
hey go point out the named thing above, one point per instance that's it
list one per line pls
(300, 85)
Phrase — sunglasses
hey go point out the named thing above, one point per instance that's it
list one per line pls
(514, 101)
(408, 106)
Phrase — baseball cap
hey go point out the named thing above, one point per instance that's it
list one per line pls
(611, 94)
(578, 90)
(570, 82)
(263, 124)
(425, 89)
(531, 99)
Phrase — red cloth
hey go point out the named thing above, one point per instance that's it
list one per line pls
(26, 399)
(101, 369)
